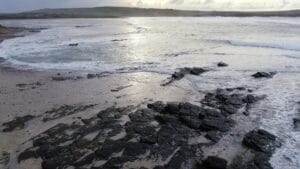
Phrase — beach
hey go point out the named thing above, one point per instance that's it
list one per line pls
(145, 114)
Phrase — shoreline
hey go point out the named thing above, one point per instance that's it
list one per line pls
(126, 104)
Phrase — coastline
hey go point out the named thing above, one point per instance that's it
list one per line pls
(34, 92)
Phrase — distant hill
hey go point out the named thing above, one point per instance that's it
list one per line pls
(117, 12)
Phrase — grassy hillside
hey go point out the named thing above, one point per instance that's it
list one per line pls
(113, 12)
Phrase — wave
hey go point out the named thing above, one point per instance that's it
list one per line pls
(283, 46)
(90, 66)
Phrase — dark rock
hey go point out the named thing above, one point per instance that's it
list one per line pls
(188, 109)
(18, 122)
(135, 149)
(184, 71)
(172, 108)
(219, 124)
(73, 44)
(222, 64)
(90, 76)
(157, 106)
(167, 119)
(251, 99)
(214, 136)
(109, 148)
(261, 161)
(213, 162)
(49, 164)
(264, 74)
(261, 140)
(297, 124)
(64, 78)
(246, 113)
(120, 88)
(197, 71)
(191, 122)
(65, 110)
(27, 154)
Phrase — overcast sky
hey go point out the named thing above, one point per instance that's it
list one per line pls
(25, 5)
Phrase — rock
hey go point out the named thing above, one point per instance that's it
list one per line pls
(262, 141)
(91, 76)
(73, 44)
(219, 124)
(246, 113)
(260, 161)
(27, 154)
(49, 164)
(184, 71)
(213, 162)
(4, 158)
(120, 88)
(251, 99)
(18, 122)
(158, 106)
(193, 123)
(64, 78)
(297, 124)
(222, 64)
(65, 110)
(264, 74)
(135, 149)
(214, 136)
(197, 71)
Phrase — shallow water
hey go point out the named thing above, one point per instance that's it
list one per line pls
(157, 44)
(161, 45)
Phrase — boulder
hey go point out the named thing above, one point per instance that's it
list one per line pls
(262, 141)
(213, 162)
(222, 64)
(297, 124)
(264, 74)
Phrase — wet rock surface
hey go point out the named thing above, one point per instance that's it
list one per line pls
(23, 86)
(184, 71)
(264, 74)
(64, 78)
(73, 44)
(296, 123)
(96, 75)
(120, 88)
(222, 64)
(4, 159)
(213, 162)
(133, 137)
(263, 145)
(262, 141)
(64, 111)
(16, 123)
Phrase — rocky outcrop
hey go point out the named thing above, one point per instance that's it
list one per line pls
(129, 136)
(184, 71)
(262, 141)
(264, 74)
(18, 122)
(213, 162)
(263, 144)
(222, 64)
(64, 110)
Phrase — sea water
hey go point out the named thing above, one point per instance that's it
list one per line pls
(160, 45)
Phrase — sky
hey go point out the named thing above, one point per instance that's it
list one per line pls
(241, 5)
